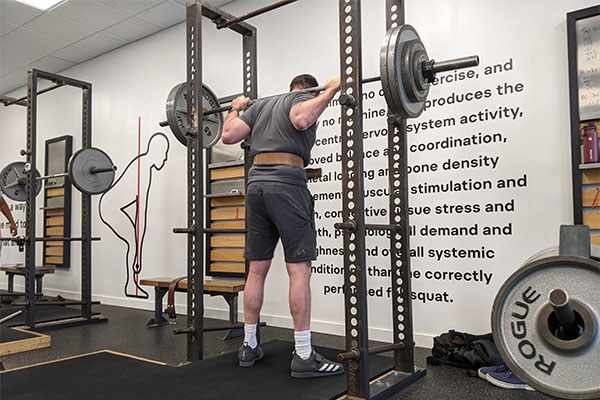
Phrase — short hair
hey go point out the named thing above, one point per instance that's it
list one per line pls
(304, 81)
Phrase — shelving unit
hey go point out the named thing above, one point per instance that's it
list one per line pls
(584, 40)
(226, 211)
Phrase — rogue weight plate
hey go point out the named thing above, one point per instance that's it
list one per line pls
(13, 179)
(82, 166)
(524, 326)
(177, 115)
(394, 78)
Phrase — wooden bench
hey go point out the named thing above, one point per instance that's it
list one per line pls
(19, 269)
(228, 289)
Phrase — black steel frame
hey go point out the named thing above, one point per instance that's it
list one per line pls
(195, 211)
(358, 381)
(30, 205)
(403, 373)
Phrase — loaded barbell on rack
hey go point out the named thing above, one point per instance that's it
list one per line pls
(406, 74)
(90, 170)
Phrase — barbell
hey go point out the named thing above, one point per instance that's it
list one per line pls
(406, 74)
(546, 323)
(90, 170)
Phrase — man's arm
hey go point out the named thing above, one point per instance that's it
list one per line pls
(6, 211)
(305, 114)
(234, 129)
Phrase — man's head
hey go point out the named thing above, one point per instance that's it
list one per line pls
(303, 81)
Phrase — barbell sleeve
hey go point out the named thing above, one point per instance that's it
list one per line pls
(560, 302)
(103, 170)
(457, 63)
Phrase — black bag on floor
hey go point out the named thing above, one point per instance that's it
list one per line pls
(464, 350)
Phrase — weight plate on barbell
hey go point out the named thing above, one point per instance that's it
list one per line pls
(177, 115)
(13, 179)
(415, 85)
(81, 170)
(393, 74)
(523, 325)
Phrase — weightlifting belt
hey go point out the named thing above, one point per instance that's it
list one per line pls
(170, 310)
(279, 158)
(290, 159)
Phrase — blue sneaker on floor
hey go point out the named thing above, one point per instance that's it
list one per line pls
(483, 371)
(507, 380)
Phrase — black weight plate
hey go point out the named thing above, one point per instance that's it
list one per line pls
(176, 109)
(13, 178)
(81, 166)
(392, 74)
(413, 81)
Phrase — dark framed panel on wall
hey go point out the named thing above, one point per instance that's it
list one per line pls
(57, 201)
(583, 36)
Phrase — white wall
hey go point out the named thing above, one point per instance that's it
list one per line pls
(302, 37)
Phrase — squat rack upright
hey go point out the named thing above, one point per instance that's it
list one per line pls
(195, 161)
(358, 379)
(31, 102)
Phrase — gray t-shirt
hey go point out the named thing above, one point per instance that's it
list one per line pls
(272, 131)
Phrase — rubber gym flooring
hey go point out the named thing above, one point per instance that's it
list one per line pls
(107, 375)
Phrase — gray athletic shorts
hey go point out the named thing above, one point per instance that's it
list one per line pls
(280, 210)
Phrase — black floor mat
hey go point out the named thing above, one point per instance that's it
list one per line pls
(12, 335)
(109, 376)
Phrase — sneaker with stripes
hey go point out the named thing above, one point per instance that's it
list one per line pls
(315, 366)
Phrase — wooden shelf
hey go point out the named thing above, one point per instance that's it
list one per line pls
(226, 210)
(589, 166)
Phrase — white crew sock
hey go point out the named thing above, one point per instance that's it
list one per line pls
(250, 335)
(302, 341)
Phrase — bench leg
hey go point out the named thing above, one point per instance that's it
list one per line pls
(158, 320)
(232, 301)
(11, 282)
(38, 285)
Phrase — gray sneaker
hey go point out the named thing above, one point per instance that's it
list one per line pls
(248, 356)
(315, 366)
